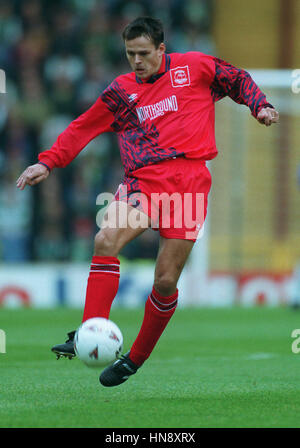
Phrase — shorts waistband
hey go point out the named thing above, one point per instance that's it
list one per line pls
(176, 160)
(182, 158)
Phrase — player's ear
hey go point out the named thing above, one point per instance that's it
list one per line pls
(162, 48)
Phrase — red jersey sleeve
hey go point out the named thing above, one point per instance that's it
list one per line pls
(238, 85)
(95, 121)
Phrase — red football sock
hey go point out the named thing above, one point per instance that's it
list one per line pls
(102, 287)
(158, 312)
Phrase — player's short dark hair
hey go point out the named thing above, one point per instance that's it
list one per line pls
(145, 26)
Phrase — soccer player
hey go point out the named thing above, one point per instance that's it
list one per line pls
(163, 114)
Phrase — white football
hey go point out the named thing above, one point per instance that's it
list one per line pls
(98, 342)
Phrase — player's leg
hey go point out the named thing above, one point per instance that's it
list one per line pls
(116, 231)
(162, 302)
(103, 281)
(159, 308)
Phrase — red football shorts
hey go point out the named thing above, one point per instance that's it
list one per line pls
(173, 193)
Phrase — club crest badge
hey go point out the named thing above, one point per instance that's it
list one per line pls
(180, 76)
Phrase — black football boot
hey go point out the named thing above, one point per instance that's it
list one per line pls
(118, 372)
(66, 349)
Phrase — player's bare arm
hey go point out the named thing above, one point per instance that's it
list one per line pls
(33, 175)
(268, 116)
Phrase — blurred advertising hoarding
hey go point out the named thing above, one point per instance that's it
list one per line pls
(50, 285)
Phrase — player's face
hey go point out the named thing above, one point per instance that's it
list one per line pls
(144, 58)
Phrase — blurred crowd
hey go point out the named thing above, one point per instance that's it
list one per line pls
(58, 56)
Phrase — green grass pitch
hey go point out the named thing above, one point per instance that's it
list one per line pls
(212, 368)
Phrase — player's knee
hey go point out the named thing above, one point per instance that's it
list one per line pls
(165, 284)
(104, 245)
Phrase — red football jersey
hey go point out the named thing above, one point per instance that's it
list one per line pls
(170, 114)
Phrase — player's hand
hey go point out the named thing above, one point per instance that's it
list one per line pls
(267, 116)
(33, 175)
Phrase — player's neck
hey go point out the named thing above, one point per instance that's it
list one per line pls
(161, 68)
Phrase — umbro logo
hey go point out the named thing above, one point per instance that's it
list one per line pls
(133, 97)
